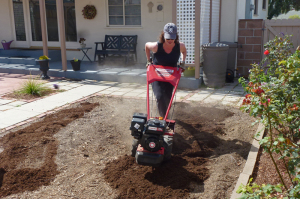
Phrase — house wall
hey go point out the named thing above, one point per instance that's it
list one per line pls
(95, 30)
(228, 20)
(232, 12)
(261, 13)
(5, 22)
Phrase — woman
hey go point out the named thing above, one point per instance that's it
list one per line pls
(166, 52)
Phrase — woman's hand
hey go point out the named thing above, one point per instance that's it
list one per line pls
(182, 65)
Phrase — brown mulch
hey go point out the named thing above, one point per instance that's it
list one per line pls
(265, 171)
(29, 97)
(171, 180)
(37, 137)
(91, 156)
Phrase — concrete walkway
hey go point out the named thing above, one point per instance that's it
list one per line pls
(15, 112)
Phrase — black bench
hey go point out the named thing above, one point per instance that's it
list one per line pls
(117, 45)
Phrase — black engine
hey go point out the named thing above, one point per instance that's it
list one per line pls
(149, 133)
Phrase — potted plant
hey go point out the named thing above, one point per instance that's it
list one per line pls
(81, 41)
(189, 72)
(44, 66)
(75, 64)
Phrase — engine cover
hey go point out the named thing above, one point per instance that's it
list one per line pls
(152, 142)
(155, 126)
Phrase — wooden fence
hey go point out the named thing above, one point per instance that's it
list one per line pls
(282, 26)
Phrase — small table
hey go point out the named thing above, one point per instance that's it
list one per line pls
(85, 50)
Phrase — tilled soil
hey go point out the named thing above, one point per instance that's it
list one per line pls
(85, 153)
(28, 159)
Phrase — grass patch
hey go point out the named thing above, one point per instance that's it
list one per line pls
(34, 87)
(31, 89)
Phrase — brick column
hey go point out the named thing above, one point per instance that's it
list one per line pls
(250, 44)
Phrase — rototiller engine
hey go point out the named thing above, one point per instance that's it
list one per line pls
(153, 136)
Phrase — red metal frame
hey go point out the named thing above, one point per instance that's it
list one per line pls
(163, 74)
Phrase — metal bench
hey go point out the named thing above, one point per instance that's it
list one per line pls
(117, 45)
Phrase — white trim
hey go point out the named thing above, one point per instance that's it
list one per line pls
(124, 27)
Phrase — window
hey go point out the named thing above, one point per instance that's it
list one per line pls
(19, 20)
(124, 12)
(264, 5)
(52, 23)
(70, 20)
(255, 7)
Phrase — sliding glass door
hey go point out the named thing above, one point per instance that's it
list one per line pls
(27, 22)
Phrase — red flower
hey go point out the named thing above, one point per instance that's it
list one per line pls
(266, 52)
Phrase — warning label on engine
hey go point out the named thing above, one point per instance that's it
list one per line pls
(136, 126)
(164, 72)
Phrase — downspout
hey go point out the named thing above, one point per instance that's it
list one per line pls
(43, 26)
(236, 35)
(237, 21)
(220, 13)
(62, 33)
(197, 38)
(210, 20)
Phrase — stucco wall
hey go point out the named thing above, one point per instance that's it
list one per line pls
(96, 29)
(5, 22)
(228, 20)
(232, 12)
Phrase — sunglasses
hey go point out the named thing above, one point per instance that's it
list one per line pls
(170, 39)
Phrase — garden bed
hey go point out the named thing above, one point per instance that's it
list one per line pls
(84, 153)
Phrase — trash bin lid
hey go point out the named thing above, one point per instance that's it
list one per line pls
(215, 45)
(230, 44)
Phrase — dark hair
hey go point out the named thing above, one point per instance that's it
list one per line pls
(161, 38)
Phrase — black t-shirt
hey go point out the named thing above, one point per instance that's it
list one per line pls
(165, 59)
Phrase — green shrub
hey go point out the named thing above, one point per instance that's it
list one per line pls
(273, 97)
(294, 17)
(34, 87)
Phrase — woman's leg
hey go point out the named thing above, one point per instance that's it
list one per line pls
(163, 93)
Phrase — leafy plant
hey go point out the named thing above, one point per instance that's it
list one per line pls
(294, 17)
(277, 7)
(274, 99)
(82, 40)
(256, 191)
(44, 57)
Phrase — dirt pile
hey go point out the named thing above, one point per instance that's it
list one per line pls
(89, 157)
(184, 173)
(28, 159)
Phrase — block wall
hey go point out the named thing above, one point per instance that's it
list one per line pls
(250, 44)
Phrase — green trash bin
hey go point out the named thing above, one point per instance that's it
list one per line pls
(215, 64)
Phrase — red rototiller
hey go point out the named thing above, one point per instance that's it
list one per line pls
(153, 136)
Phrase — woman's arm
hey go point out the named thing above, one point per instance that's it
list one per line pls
(150, 46)
(183, 51)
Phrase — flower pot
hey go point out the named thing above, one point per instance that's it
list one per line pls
(75, 65)
(82, 45)
(189, 72)
(6, 45)
(44, 67)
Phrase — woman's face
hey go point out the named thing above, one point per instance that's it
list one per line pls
(169, 41)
